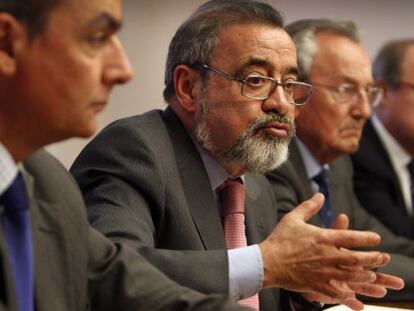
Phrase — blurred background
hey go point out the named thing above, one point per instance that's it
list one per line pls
(150, 24)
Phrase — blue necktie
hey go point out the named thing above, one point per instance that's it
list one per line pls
(17, 230)
(325, 213)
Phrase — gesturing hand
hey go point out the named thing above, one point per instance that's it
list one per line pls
(304, 258)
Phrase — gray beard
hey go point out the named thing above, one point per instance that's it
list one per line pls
(253, 153)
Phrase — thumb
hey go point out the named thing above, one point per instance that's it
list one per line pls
(308, 208)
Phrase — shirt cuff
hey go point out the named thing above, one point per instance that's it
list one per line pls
(245, 271)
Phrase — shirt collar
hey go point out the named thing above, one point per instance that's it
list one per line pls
(313, 167)
(399, 156)
(8, 169)
(217, 174)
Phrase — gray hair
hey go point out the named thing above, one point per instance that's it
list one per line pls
(304, 32)
(32, 12)
(195, 40)
(387, 65)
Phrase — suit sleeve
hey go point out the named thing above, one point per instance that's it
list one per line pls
(400, 248)
(120, 279)
(376, 192)
(124, 183)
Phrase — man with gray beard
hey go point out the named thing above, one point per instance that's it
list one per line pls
(184, 186)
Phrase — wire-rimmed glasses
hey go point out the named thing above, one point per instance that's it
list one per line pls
(348, 93)
(260, 87)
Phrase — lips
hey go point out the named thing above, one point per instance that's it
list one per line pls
(98, 106)
(278, 129)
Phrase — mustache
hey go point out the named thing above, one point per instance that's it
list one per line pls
(269, 117)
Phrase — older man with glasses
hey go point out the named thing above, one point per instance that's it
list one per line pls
(329, 128)
(185, 188)
(384, 164)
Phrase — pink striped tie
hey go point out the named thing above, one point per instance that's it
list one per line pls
(232, 195)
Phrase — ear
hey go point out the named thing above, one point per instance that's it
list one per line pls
(381, 84)
(186, 84)
(386, 91)
(11, 34)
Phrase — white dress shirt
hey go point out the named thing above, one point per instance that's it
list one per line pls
(8, 169)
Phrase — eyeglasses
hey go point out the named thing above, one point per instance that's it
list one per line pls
(255, 86)
(348, 93)
(408, 84)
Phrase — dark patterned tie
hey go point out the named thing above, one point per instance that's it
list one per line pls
(232, 195)
(325, 213)
(17, 230)
(411, 170)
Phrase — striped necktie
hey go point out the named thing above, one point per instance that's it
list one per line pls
(232, 196)
(325, 214)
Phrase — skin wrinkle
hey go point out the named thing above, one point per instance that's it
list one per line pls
(329, 128)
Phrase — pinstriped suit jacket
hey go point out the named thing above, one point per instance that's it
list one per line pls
(144, 184)
(77, 268)
(292, 186)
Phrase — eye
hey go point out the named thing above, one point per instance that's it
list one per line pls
(347, 89)
(255, 80)
(99, 37)
(289, 86)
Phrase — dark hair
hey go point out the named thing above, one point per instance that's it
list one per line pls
(304, 32)
(33, 13)
(387, 65)
(195, 39)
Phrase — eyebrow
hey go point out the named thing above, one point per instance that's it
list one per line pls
(351, 80)
(253, 61)
(106, 20)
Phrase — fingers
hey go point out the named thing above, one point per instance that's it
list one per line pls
(349, 299)
(370, 290)
(347, 258)
(353, 304)
(389, 281)
(353, 238)
(308, 208)
(341, 222)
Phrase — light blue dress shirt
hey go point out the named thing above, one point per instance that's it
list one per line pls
(245, 264)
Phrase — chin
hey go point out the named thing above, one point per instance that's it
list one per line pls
(86, 130)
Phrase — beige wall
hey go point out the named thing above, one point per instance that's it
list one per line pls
(150, 24)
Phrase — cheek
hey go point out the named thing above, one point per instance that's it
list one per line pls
(228, 120)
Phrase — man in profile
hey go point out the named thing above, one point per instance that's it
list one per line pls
(59, 60)
(185, 186)
(384, 165)
(329, 127)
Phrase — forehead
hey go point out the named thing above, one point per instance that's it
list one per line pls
(81, 12)
(339, 58)
(264, 45)
(408, 64)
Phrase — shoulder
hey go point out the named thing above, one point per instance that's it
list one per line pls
(51, 181)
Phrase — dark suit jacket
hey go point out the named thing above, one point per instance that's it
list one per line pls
(292, 186)
(77, 268)
(145, 184)
(377, 186)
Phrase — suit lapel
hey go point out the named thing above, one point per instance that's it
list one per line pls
(378, 151)
(256, 230)
(48, 245)
(295, 158)
(196, 185)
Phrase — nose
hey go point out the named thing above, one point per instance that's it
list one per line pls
(118, 69)
(277, 101)
(362, 106)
